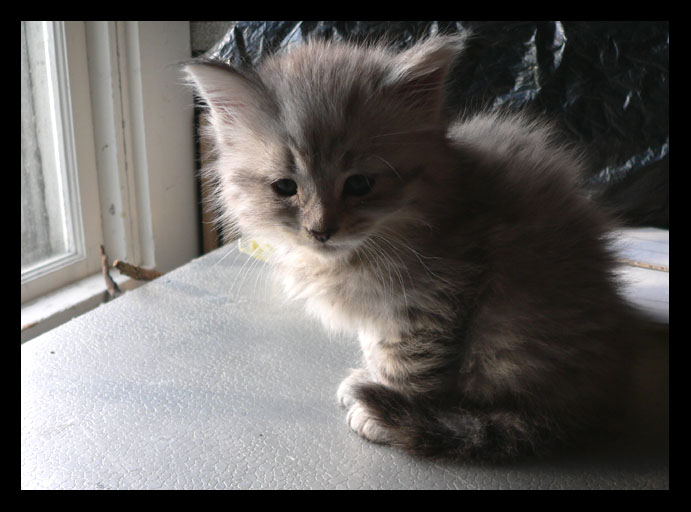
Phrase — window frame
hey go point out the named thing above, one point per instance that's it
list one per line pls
(134, 152)
(76, 141)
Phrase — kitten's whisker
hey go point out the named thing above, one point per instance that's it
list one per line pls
(393, 236)
(397, 271)
(387, 264)
(407, 143)
(378, 274)
(419, 258)
(269, 277)
(245, 263)
(372, 250)
(389, 164)
(248, 271)
(228, 253)
(261, 272)
(398, 256)
(404, 132)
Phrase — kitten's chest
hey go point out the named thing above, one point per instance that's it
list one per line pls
(347, 298)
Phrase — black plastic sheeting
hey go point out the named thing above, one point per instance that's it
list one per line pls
(605, 82)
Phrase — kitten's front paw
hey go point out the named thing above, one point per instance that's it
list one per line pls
(358, 417)
(345, 390)
(362, 422)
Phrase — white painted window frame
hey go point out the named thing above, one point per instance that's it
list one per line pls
(75, 143)
(134, 155)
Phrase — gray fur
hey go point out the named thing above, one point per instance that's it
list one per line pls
(476, 275)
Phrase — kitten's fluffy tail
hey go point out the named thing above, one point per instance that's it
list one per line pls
(429, 430)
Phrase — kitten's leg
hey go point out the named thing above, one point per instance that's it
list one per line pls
(398, 401)
(381, 360)
(345, 392)
(428, 429)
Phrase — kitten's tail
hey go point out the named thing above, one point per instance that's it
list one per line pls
(427, 430)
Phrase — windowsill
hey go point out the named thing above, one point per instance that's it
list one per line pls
(51, 310)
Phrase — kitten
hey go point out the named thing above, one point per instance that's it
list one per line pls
(463, 254)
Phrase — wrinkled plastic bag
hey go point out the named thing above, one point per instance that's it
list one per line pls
(606, 83)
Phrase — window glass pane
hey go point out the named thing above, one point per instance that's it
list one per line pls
(44, 213)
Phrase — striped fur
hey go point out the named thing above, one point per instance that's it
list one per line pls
(475, 273)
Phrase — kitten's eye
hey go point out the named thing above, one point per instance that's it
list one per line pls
(358, 185)
(285, 187)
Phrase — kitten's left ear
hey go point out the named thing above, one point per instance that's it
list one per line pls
(418, 74)
(231, 95)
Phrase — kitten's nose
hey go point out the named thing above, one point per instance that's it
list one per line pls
(323, 235)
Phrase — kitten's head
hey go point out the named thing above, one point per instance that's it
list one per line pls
(324, 145)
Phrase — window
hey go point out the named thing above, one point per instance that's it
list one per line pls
(55, 249)
(107, 153)
(51, 223)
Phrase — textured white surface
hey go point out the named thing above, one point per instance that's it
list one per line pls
(648, 288)
(199, 380)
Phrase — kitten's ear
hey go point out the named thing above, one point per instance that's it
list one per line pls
(229, 94)
(419, 73)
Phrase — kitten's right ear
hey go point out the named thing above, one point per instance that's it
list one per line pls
(228, 93)
(418, 74)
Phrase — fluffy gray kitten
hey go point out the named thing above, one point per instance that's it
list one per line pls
(475, 273)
